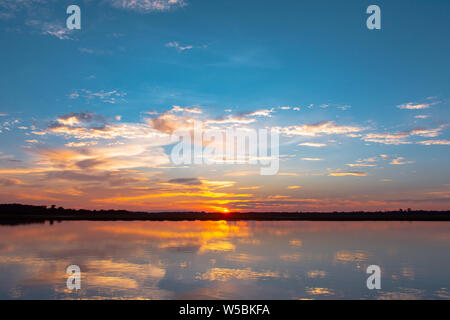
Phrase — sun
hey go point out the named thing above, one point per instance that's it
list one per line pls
(219, 209)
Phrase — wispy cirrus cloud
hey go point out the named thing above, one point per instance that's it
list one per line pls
(178, 46)
(435, 142)
(93, 51)
(347, 173)
(368, 162)
(239, 119)
(53, 29)
(402, 137)
(146, 6)
(361, 165)
(321, 128)
(111, 96)
(312, 144)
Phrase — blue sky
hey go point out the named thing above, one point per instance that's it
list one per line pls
(384, 93)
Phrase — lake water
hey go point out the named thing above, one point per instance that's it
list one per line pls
(226, 260)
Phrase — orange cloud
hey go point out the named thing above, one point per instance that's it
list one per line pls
(349, 173)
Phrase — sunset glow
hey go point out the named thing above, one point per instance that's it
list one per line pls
(87, 121)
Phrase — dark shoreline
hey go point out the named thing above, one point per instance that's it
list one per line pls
(17, 214)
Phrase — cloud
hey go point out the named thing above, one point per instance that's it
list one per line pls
(104, 96)
(262, 113)
(188, 110)
(146, 6)
(414, 106)
(90, 163)
(348, 173)
(369, 162)
(82, 119)
(344, 108)
(179, 47)
(422, 116)
(168, 123)
(400, 161)
(312, 159)
(54, 29)
(401, 137)
(134, 154)
(251, 188)
(90, 126)
(57, 31)
(427, 132)
(361, 165)
(231, 120)
(435, 142)
(80, 144)
(186, 181)
(7, 182)
(313, 144)
(387, 138)
(321, 128)
(93, 51)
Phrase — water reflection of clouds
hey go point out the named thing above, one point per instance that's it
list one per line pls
(226, 274)
(235, 260)
(351, 256)
(319, 291)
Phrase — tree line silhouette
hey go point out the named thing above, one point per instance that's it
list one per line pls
(19, 212)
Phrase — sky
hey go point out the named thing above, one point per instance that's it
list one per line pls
(86, 116)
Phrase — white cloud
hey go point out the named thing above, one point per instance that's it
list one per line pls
(326, 127)
(231, 120)
(179, 47)
(415, 106)
(188, 110)
(262, 113)
(313, 144)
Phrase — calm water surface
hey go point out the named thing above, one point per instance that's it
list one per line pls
(226, 260)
